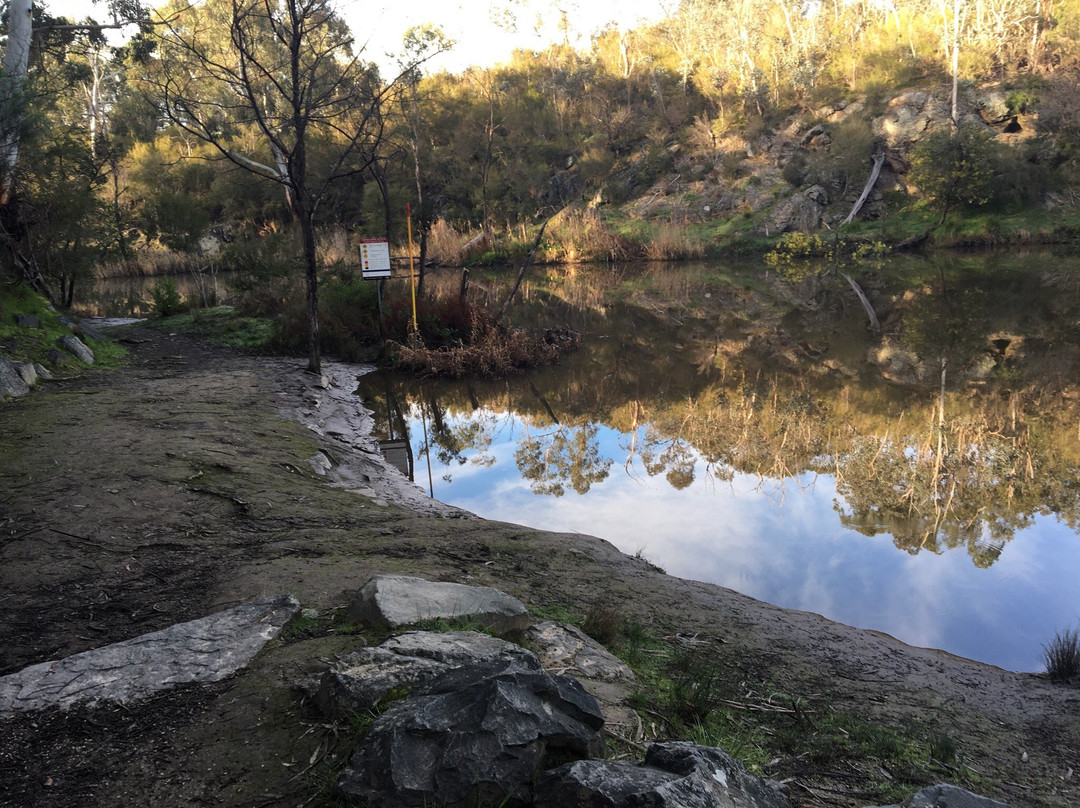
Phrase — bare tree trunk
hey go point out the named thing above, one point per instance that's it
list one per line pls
(878, 160)
(875, 325)
(955, 62)
(311, 274)
(16, 59)
(524, 267)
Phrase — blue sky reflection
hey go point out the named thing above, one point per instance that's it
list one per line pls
(782, 541)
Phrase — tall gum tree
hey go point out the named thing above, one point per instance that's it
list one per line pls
(285, 72)
(12, 82)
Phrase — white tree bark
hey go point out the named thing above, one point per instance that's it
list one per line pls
(12, 81)
(874, 172)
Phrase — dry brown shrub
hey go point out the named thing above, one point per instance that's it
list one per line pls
(445, 245)
(491, 350)
(583, 236)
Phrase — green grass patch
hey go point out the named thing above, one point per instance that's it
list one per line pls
(696, 690)
(224, 326)
(23, 344)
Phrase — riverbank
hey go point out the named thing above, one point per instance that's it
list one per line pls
(183, 484)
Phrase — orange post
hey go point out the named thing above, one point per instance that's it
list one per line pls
(412, 271)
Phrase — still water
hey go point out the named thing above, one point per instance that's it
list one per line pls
(737, 428)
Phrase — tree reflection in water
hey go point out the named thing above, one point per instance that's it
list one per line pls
(939, 464)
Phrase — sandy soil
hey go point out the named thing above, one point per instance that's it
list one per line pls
(182, 484)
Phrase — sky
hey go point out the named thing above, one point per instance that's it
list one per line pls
(471, 23)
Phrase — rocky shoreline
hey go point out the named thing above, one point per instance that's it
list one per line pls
(171, 489)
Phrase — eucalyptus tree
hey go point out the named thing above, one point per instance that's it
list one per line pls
(32, 88)
(267, 84)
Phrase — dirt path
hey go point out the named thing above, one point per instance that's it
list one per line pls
(135, 499)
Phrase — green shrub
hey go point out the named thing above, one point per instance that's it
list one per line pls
(166, 298)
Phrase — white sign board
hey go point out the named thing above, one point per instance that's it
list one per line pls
(375, 258)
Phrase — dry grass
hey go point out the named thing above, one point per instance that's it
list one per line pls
(149, 264)
(489, 350)
(1062, 656)
(674, 242)
(581, 235)
(446, 246)
(333, 248)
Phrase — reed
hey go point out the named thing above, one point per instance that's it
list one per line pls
(673, 242)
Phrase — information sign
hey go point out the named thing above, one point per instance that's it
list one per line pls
(375, 258)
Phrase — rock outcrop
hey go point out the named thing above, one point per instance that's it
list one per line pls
(475, 735)
(673, 775)
(360, 680)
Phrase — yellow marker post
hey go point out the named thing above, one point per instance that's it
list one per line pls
(412, 272)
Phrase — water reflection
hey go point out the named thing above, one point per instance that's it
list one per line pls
(737, 437)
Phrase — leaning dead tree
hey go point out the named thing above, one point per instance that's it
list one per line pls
(874, 172)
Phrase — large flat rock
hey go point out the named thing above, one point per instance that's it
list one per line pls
(205, 650)
(393, 601)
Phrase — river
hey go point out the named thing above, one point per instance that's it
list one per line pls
(734, 426)
(728, 426)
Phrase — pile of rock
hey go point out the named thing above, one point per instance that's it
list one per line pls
(470, 719)
(16, 378)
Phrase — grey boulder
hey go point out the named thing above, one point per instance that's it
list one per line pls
(393, 601)
(74, 345)
(12, 382)
(360, 680)
(476, 735)
(674, 775)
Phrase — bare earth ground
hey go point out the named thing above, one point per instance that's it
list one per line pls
(135, 499)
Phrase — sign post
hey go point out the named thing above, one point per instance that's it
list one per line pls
(375, 265)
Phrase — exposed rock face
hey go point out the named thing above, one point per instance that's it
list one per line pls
(818, 195)
(794, 214)
(204, 650)
(897, 363)
(993, 105)
(947, 796)
(475, 735)
(392, 601)
(360, 680)
(12, 382)
(674, 775)
(74, 345)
